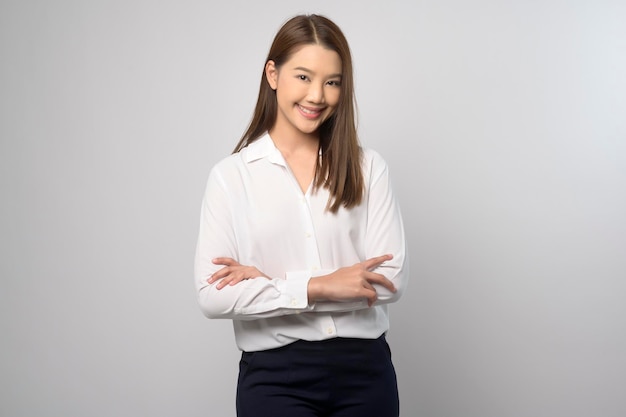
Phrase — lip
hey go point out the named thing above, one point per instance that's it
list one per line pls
(310, 112)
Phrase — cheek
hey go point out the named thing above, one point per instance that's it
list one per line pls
(287, 89)
(332, 97)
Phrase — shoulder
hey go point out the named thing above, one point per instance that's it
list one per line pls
(257, 149)
(228, 165)
(371, 155)
(232, 167)
(373, 162)
(226, 172)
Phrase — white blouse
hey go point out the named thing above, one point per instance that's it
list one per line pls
(254, 211)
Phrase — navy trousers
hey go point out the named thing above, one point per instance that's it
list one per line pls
(332, 378)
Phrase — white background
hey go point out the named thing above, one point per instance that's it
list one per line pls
(504, 126)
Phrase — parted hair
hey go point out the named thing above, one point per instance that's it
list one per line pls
(339, 168)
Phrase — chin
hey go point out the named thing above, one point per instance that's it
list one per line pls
(308, 129)
(311, 130)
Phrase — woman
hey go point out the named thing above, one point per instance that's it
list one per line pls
(301, 241)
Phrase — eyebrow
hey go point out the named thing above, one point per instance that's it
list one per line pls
(338, 75)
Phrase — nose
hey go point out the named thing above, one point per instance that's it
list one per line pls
(316, 93)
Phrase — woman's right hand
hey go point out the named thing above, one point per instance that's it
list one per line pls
(233, 273)
(351, 283)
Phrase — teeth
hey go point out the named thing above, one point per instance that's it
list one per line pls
(307, 111)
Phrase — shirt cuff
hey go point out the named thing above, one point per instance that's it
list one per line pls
(295, 288)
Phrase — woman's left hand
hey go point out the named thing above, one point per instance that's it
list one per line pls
(233, 273)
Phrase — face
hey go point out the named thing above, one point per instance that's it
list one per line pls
(307, 89)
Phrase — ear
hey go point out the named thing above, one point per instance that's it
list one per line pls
(271, 74)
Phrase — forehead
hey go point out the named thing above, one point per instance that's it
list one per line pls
(316, 58)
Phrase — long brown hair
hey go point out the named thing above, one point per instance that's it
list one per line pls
(339, 168)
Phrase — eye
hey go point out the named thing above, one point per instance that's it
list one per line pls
(302, 77)
(334, 83)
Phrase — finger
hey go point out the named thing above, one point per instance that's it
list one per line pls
(224, 282)
(380, 279)
(371, 295)
(375, 262)
(225, 261)
(237, 280)
(223, 272)
(234, 278)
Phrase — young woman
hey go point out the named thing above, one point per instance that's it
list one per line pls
(301, 241)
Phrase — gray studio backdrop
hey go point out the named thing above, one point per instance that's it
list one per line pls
(504, 126)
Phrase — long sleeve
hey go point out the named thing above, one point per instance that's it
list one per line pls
(250, 299)
(385, 231)
(254, 212)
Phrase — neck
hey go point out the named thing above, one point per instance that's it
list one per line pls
(289, 144)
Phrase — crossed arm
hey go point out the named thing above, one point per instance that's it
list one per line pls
(350, 283)
(229, 289)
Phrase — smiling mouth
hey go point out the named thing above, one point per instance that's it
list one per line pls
(310, 113)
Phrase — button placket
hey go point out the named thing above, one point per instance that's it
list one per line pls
(328, 327)
(312, 252)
